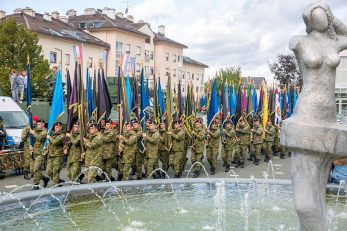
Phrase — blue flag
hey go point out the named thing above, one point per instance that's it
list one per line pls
(89, 95)
(294, 100)
(161, 100)
(213, 108)
(232, 103)
(57, 108)
(289, 101)
(255, 101)
(144, 99)
(128, 93)
(29, 100)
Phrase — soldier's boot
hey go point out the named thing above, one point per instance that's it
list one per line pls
(289, 154)
(250, 158)
(275, 154)
(234, 162)
(32, 175)
(36, 187)
(133, 171)
(266, 158)
(196, 174)
(80, 177)
(144, 175)
(26, 175)
(61, 181)
(119, 177)
(162, 175)
(103, 176)
(138, 178)
(256, 162)
(213, 171)
(224, 164)
(155, 175)
(98, 178)
(112, 179)
(238, 164)
(227, 168)
(242, 164)
(176, 175)
(45, 181)
(282, 156)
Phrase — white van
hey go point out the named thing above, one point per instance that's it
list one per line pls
(14, 119)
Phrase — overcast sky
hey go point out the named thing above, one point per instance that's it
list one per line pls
(219, 33)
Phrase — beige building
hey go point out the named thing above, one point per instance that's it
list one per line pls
(193, 73)
(58, 39)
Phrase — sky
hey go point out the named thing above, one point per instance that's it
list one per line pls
(219, 33)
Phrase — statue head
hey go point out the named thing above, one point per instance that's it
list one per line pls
(318, 17)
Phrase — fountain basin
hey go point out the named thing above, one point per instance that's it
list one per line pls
(202, 204)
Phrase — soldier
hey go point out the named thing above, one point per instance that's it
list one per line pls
(93, 144)
(129, 139)
(213, 145)
(139, 155)
(55, 157)
(257, 142)
(102, 125)
(197, 154)
(228, 141)
(162, 150)
(28, 155)
(187, 143)
(269, 140)
(277, 145)
(152, 140)
(176, 152)
(73, 165)
(108, 149)
(40, 134)
(244, 133)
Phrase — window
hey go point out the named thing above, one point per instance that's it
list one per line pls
(67, 59)
(178, 58)
(138, 50)
(146, 55)
(197, 76)
(119, 49)
(192, 76)
(174, 58)
(201, 89)
(174, 72)
(188, 75)
(182, 89)
(197, 89)
(53, 57)
(167, 56)
(166, 71)
(148, 40)
(152, 71)
(82, 25)
(117, 66)
(152, 55)
(90, 62)
(180, 74)
(127, 48)
(146, 70)
(138, 67)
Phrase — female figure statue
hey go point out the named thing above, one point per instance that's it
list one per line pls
(312, 133)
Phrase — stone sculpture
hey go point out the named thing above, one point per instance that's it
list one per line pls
(312, 132)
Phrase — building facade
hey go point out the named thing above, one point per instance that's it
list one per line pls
(193, 73)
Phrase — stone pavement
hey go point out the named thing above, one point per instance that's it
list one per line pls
(281, 171)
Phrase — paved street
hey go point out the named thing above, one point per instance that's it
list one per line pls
(281, 171)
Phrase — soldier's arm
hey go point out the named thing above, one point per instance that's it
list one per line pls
(25, 133)
(200, 135)
(258, 131)
(271, 131)
(245, 130)
(75, 140)
(58, 139)
(131, 140)
(154, 139)
(110, 137)
(179, 136)
(231, 133)
(215, 134)
(94, 143)
(40, 136)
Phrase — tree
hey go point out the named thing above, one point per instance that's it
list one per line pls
(229, 75)
(286, 70)
(16, 43)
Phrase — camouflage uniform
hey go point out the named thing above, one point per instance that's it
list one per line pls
(55, 157)
(2, 135)
(197, 153)
(73, 165)
(28, 157)
(139, 157)
(187, 143)
(93, 155)
(152, 142)
(244, 133)
(117, 155)
(40, 138)
(212, 147)
(176, 153)
(228, 144)
(257, 143)
(128, 157)
(162, 151)
(277, 145)
(108, 149)
(269, 139)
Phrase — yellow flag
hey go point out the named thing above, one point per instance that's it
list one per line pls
(265, 108)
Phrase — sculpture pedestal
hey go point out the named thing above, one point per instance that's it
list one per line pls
(314, 146)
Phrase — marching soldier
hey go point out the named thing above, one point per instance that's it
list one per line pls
(244, 132)
(176, 153)
(277, 145)
(129, 140)
(93, 144)
(152, 140)
(108, 147)
(197, 154)
(139, 154)
(55, 157)
(257, 142)
(228, 141)
(213, 145)
(40, 134)
(73, 165)
(162, 150)
(269, 140)
(28, 149)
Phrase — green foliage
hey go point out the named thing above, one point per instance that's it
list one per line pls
(16, 43)
(229, 75)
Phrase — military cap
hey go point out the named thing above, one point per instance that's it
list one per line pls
(58, 123)
(151, 122)
(103, 119)
(214, 122)
(109, 121)
(128, 123)
(35, 118)
(177, 121)
(93, 125)
(228, 121)
(255, 118)
(134, 120)
(92, 121)
(40, 121)
(76, 123)
(199, 120)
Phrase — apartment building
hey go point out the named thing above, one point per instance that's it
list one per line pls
(193, 73)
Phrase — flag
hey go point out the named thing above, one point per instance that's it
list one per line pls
(68, 87)
(125, 63)
(104, 100)
(277, 108)
(232, 103)
(294, 99)
(255, 101)
(156, 102)
(180, 100)
(265, 109)
(57, 108)
(239, 104)
(261, 100)
(29, 101)
(250, 109)
(135, 104)
(289, 100)
(73, 102)
(213, 108)
(89, 95)
(161, 100)
(224, 101)
(129, 96)
(168, 111)
(144, 100)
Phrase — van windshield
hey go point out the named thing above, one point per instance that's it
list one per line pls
(14, 119)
